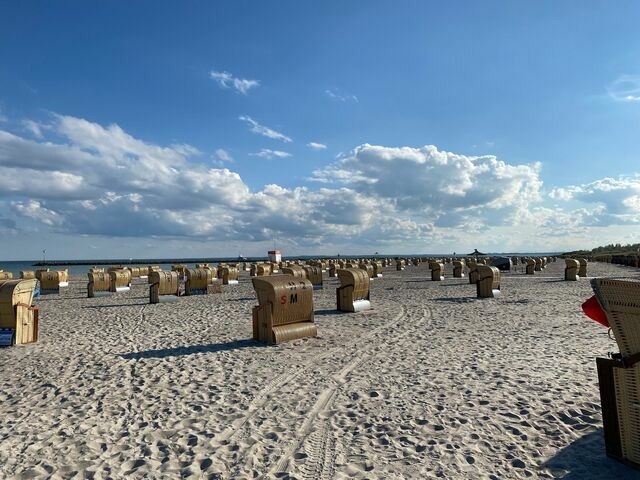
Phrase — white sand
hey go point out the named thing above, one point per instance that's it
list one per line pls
(430, 383)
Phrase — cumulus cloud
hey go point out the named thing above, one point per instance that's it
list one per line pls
(611, 200)
(625, 88)
(316, 146)
(262, 130)
(226, 80)
(268, 153)
(438, 183)
(92, 179)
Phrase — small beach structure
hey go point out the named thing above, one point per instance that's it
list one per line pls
(571, 269)
(531, 266)
(18, 318)
(295, 271)
(353, 294)
(473, 271)
(229, 275)
(119, 280)
(619, 376)
(163, 286)
(582, 272)
(27, 274)
(314, 275)
(437, 271)
(99, 284)
(488, 284)
(198, 280)
(458, 268)
(285, 309)
(51, 281)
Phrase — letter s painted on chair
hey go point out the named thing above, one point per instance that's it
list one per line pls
(283, 299)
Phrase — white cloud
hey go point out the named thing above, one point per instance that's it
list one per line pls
(223, 156)
(90, 179)
(34, 209)
(262, 130)
(316, 146)
(339, 96)
(226, 80)
(34, 128)
(625, 88)
(438, 183)
(268, 153)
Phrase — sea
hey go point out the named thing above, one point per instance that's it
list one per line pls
(81, 267)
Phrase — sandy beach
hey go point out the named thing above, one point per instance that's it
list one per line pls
(430, 383)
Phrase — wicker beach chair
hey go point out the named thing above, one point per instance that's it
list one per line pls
(571, 269)
(531, 266)
(119, 280)
(314, 275)
(27, 274)
(619, 376)
(295, 271)
(473, 271)
(583, 267)
(18, 318)
(285, 309)
(377, 269)
(198, 281)
(458, 269)
(367, 267)
(353, 295)
(437, 271)
(50, 282)
(488, 284)
(538, 264)
(400, 265)
(99, 283)
(163, 286)
(229, 275)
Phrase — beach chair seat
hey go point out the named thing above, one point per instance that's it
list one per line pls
(163, 286)
(353, 295)
(619, 376)
(198, 281)
(582, 272)
(473, 271)
(571, 269)
(488, 284)
(50, 282)
(229, 275)
(530, 267)
(18, 318)
(119, 280)
(285, 309)
(458, 269)
(437, 271)
(295, 271)
(314, 275)
(99, 284)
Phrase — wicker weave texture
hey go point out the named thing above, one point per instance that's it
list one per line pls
(627, 386)
(295, 271)
(488, 281)
(50, 280)
(118, 279)
(197, 279)
(27, 274)
(571, 269)
(620, 299)
(289, 299)
(314, 275)
(98, 282)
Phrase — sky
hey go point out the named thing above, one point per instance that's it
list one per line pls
(202, 129)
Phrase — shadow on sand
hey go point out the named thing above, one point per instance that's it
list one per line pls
(585, 459)
(192, 349)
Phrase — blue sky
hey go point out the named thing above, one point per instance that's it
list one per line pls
(211, 128)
